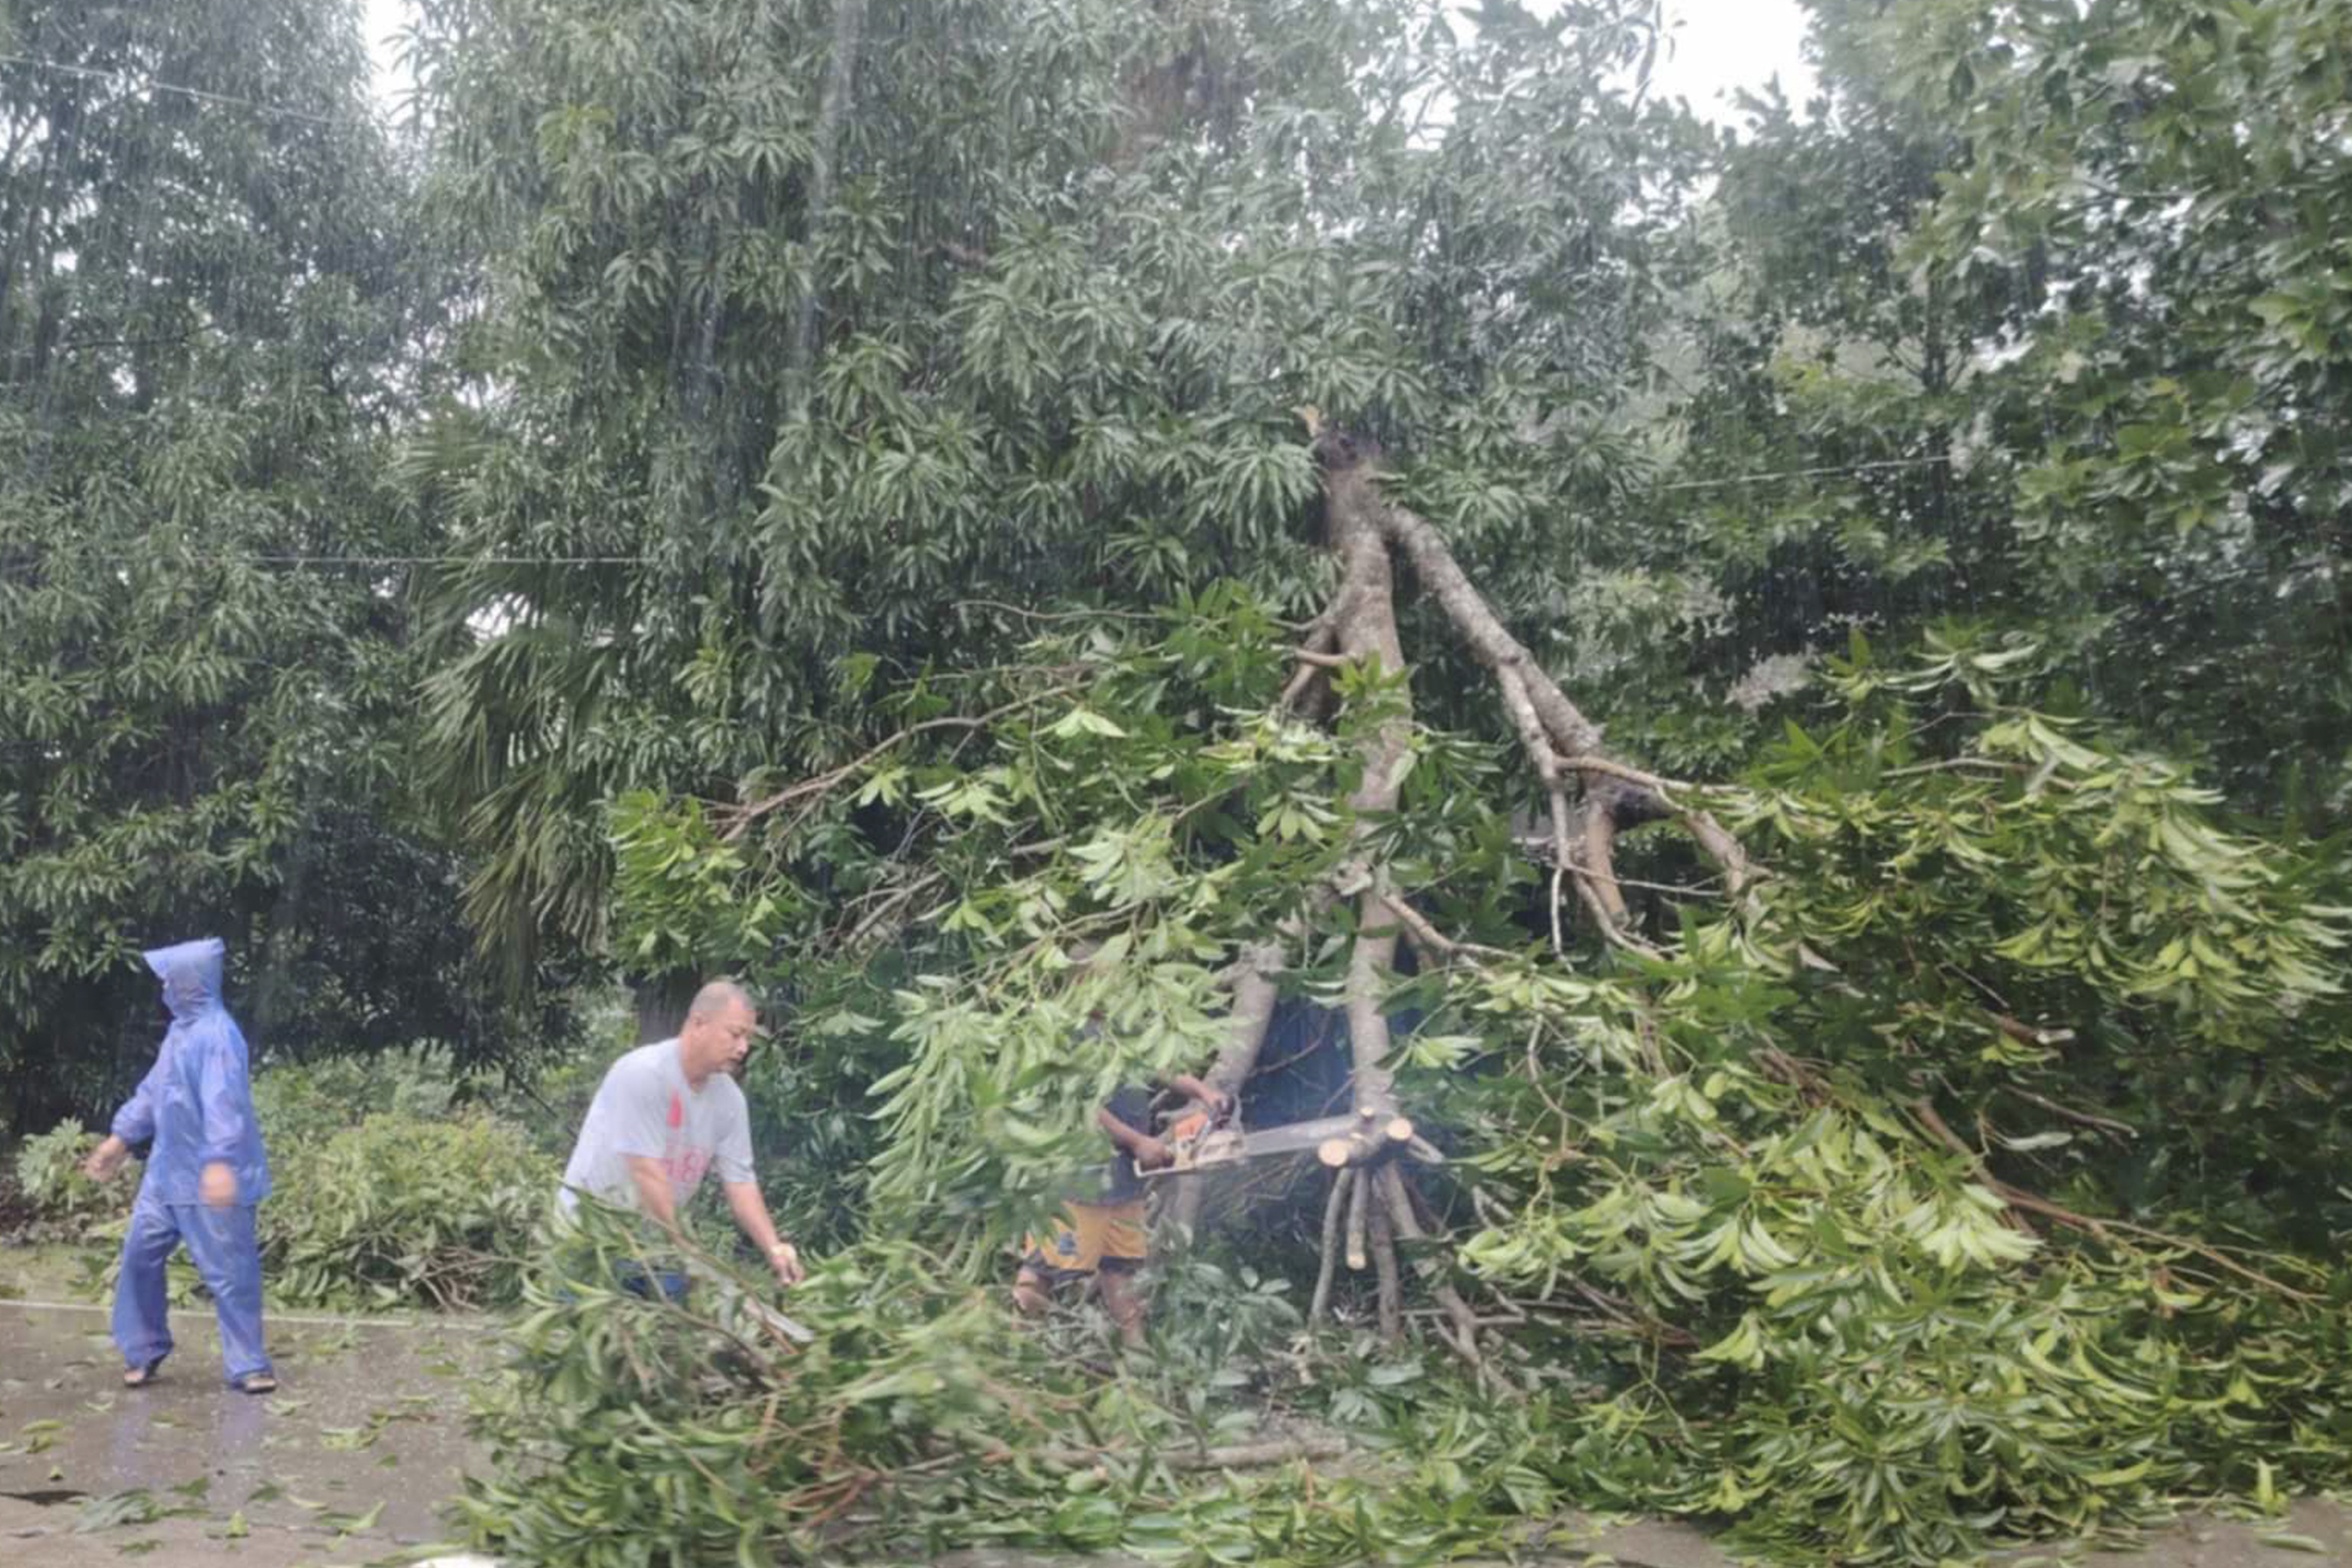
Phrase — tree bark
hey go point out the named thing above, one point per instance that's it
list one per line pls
(1367, 631)
(1365, 1182)
(1616, 797)
(1334, 1207)
(1384, 1265)
(661, 1003)
(1405, 1223)
(1255, 995)
(840, 83)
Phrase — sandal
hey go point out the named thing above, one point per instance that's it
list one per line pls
(255, 1383)
(141, 1376)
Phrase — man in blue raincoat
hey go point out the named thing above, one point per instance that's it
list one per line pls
(204, 1174)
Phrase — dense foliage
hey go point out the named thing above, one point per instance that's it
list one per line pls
(208, 324)
(860, 446)
(60, 1200)
(2043, 306)
(858, 338)
(390, 1187)
(1956, 1185)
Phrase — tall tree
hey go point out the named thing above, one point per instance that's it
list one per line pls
(1818, 1163)
(2161, 192)
(205, 321)
(1041, 342)
(2029, 320)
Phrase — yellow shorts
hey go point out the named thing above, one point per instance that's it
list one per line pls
(1090, 1235)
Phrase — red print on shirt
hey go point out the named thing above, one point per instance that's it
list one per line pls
(685, 1166)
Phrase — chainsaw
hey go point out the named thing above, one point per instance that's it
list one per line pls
(1200, 1142)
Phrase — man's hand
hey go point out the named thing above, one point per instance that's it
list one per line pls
(1216, 1102)
(1152, 1153)
(785, 1259)
(217, 1185)
(105, 1159)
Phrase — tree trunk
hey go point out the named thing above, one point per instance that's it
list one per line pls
(1366, 1187)
(840, 83)
(1255, 995)
(662, 1001)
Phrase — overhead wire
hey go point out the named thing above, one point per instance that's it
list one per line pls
(462, 560)
(152, 85)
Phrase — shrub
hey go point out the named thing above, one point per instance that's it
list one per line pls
(65, 1204)
(307, 1103)
(402, 1209)
(383, 1193)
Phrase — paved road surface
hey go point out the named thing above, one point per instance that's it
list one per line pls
(353, 1460)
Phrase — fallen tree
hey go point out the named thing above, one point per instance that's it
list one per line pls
(1949, 1184)
(1590, 798)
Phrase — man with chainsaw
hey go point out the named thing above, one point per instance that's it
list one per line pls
(1099, 1238)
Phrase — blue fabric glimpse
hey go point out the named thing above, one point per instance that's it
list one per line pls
(221, 1243)
(196, 1102)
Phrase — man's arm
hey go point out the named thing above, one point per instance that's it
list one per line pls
(1150, 1153)
(105, 1159)
(654, 1195)
(1191, 1088)
(752, 1215)
(132, 1124)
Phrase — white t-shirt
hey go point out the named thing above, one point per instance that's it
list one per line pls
(645, 1108)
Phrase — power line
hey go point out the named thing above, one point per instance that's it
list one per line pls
(144, 556)
(429, 559)
(152, 85)
(1798, 473)
(241, 560)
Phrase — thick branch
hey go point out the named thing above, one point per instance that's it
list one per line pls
(1255, 995)
(1429, 938)
(1333, 1207)
(1716, 841)
(1650, 783)
(1357, 1210)
(2088, 1119)
(1571, 732)
(824, 784)
(2019, 1198)
(1384, 1265)
(1537, 746)
(832, 106)
(1576, 737)
(1596, 857)
(1373, 1135)
(1228, 1457)
(1315, 658)
(1367, 631)
(1400, 1216)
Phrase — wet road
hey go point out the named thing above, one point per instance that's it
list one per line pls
(353, 1460)
(355, 1455)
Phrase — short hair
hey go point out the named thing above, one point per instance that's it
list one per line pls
(717, 996)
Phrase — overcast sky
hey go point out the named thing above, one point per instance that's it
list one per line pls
(1720, 45)
(1716, 45)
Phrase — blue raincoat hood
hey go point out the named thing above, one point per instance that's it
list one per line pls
(191, 973)
(196, 1102)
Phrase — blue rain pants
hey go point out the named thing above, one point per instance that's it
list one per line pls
(221, 1243)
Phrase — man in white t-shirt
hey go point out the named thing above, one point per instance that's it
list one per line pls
(669, 1111)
